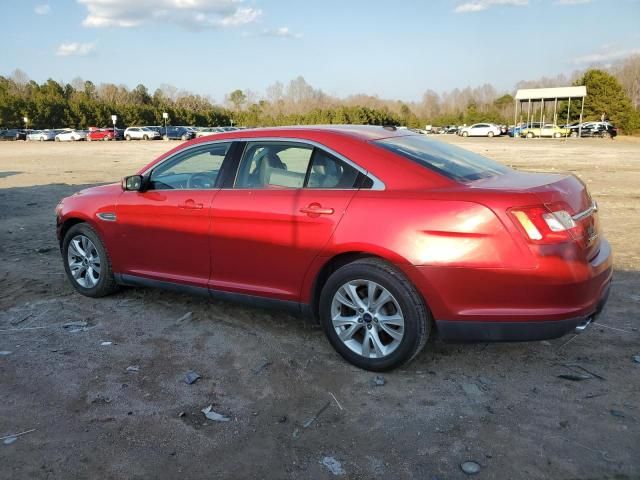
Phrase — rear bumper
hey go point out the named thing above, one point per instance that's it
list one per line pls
(486, 304)
(483, 331)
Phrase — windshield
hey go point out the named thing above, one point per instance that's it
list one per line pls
(453, 162)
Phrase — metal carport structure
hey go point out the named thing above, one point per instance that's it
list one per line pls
(541, 94)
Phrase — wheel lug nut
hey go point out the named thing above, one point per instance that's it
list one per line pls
(369, 326)
(375, 319)
(361, 310)
(359, 320)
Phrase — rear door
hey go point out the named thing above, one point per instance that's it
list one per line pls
(281, 210)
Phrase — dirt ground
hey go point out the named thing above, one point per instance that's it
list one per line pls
(296, 409)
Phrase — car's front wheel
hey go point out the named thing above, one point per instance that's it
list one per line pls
(87, 263)
(373, 316)
(465, 134)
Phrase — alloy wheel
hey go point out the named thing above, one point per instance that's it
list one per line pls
(84, 261)
(367, 318)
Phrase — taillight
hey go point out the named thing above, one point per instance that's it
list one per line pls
(546, 223)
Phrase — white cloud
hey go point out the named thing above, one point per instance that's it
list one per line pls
(605, 55)
(43, 9)
(479, 5)
(75, 49)
(283, 32)
(192, 14)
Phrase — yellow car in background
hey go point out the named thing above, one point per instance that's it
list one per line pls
(548, 130)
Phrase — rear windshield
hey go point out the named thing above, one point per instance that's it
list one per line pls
(451, 161)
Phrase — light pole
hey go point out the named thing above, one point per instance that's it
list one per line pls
(114, 119)
(231, 120)
(26, 122)
(165, 115)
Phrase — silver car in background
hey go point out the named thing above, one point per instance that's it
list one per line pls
(41, 135)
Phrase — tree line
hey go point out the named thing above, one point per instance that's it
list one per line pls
(81, 104)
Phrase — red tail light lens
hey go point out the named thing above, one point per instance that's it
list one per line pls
(546, 223)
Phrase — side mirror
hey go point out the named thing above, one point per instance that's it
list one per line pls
(132, 183)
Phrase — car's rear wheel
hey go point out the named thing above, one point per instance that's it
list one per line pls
(127, 138)
(490, 134)
(57, 139)
(145, 137)
(87, 262)
(557, 135)
(529, 135)
(573, 134)
(373, 316)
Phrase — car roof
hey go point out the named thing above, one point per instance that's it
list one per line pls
(360, 132)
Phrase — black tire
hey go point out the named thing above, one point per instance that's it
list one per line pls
(490, 134)
(106, 284)
(465, 134)
(127, 138)
(417, 319)
(146, 137)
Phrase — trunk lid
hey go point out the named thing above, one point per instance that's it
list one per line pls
(554, 189)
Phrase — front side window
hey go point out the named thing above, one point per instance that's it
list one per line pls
(198, 168)
(452, 162)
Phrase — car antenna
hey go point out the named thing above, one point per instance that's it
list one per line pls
(390, 127)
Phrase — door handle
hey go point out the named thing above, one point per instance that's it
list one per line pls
(316, 209)
(191, 205)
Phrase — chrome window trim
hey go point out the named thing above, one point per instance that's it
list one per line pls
(592, 209)
(377, 183)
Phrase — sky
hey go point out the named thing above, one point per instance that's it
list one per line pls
(393, 49)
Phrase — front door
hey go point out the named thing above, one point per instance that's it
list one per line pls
(165, 228)
(286, 202)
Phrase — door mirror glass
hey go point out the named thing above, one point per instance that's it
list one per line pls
(132, 183)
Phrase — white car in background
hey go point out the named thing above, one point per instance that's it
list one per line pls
(71, 136)
(41, 135)
(141, 133)
(480, 130)
(209, 131)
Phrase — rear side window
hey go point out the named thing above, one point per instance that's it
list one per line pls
(452, 162)
(329, 172)
(273, 165)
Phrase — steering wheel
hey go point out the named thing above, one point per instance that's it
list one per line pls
(201, 180)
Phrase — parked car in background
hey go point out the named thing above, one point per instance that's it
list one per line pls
(12, 134)
(22, 134)
(141, 133)
(41, 135)
(209, 131)
(104, 134)
(179, 133)
(467, 247)
(549, 130)
(480, 130)
(71, 136)
(599, 129)
(449, 129)
(593, 129)
(515, 131)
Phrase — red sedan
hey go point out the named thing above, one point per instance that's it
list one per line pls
(383, 236)
(102, 134)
